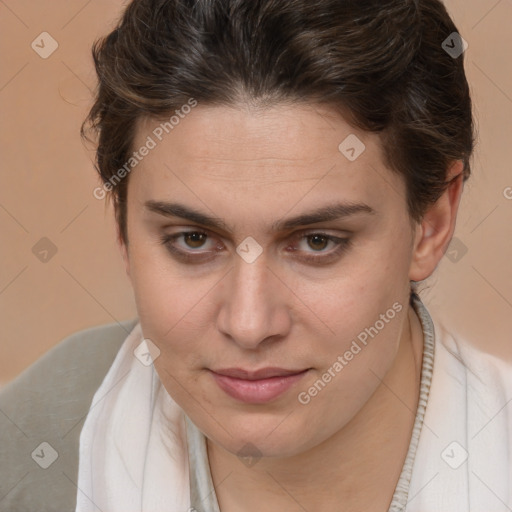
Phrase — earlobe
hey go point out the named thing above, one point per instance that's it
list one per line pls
(436, 229)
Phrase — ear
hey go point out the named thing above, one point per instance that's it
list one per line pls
(123, 249)
(435, 231)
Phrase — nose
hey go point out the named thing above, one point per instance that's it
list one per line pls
(253, 309)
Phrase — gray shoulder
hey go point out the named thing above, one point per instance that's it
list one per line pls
(42, 412)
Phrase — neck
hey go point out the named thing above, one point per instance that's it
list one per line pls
(358, 467)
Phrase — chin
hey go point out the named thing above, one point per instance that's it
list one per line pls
(255, 437)
(255, 447)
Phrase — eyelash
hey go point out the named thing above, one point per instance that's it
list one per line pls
(342, 245)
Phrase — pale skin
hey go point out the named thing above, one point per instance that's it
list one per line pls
(251, 168)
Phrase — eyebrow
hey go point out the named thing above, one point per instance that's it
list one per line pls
(324, 214)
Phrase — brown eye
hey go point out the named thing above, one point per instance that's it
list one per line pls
(317, 242)
(191, 246)
(195, 239)
(319, 248)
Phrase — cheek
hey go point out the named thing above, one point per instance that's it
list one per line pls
(351, 301)
(162, 295)
(353, 365)
(177, 315)
(364, 310)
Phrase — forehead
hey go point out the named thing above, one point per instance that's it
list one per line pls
(276, 155)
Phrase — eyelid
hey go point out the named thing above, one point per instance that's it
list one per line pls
(341, 245)
(322, 231)
(190, 256)
(167, 238)
(303, 233)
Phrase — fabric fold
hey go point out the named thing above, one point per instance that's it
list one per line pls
(463, 461)
(133, 451)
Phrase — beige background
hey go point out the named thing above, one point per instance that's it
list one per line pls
(47, 179)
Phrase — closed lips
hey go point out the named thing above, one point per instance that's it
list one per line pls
(264, 373)
(258, 386)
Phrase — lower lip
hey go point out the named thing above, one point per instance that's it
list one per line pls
(257, 391)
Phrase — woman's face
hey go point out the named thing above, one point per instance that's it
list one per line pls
(289, 294)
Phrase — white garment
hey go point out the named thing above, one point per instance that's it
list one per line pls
(133, 446)
(469, 413)
(133, 451)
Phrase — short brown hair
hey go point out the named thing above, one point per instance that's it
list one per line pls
(381, 62)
